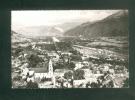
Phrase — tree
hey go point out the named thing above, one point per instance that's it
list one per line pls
(34, 60)
(126, 83)
(58, 65)
(29, 47)
(17, 78)
(64, 46)
(68, 75)
(71, 65)
(75, 52)
(17, 51)
(32, 85)
(78, 74)
(76, 58)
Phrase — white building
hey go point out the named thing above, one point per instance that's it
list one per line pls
(78, 65)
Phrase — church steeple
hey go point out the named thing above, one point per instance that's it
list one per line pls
(50, 73)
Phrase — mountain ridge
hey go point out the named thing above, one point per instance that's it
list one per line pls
(113, 25)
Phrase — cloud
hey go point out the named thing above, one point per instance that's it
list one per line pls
(53, 17)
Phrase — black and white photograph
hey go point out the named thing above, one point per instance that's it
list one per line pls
(69, 49)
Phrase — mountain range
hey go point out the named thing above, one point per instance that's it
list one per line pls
(44, 30)
(113, 25)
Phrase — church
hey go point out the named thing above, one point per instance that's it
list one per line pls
(44, 72)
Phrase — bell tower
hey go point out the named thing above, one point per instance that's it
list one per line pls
(50, 73)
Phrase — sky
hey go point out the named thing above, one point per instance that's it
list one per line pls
(54, 17)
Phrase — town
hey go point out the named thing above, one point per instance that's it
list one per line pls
(57, 63)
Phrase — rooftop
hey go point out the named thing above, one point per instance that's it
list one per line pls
(39, 70)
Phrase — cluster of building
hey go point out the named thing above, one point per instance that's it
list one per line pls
(47, 77)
